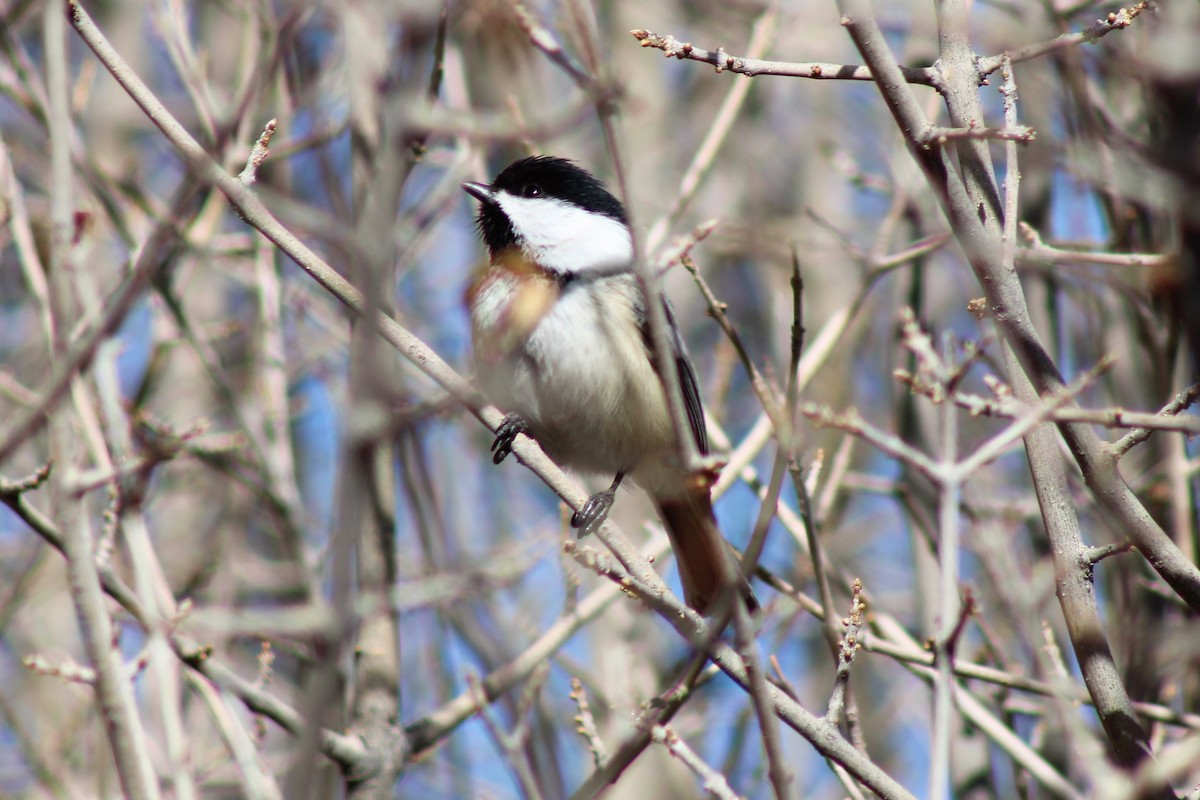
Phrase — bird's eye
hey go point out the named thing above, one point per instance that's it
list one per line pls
(531, 190)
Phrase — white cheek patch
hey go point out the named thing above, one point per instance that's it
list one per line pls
(564, 237)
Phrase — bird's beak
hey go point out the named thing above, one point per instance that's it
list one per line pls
(480, 191)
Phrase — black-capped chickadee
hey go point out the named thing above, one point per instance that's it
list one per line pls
(562, 345)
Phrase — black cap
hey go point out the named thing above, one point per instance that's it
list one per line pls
(539, 176)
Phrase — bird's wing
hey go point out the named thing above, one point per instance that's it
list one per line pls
(687, 383)
(683, 368)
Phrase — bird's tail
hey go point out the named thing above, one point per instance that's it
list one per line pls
(707, 564)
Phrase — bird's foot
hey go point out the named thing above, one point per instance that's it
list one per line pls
(594, 512)
(506, 433)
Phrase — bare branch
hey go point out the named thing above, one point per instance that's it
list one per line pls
(713, 782)
(1115, 21)
(1010, 133)
(1148, 423)
(1040, 251)
(848, 647)
(587, 725)
(723, 62)
(258, 154)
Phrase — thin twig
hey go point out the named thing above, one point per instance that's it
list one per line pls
(586, 725)
(768, 396)
(992, 448)
(1009, 133)
(713, 781)
(243, 748)
(658, 711)
(949, 497)
(513, 744)
(848, 647)
(258, 154)
(803, 491)
(1115, 21)
(852, 422)
(1147, 426)
(724, 62)
(768, 724)
(1168, 419)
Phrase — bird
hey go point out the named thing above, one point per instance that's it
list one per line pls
(561, 343)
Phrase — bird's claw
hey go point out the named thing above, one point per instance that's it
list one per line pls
(506, 433)
(593, 513)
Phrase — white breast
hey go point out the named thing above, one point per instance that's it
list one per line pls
(581, 378)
